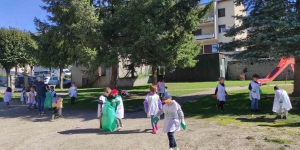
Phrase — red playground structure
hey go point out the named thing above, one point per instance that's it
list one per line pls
(284, 62)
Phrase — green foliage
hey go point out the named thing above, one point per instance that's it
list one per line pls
(15, 47)
(273, 29)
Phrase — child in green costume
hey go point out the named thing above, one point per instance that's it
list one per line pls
(117, 103)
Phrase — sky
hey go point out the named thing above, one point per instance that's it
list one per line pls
(20, 13)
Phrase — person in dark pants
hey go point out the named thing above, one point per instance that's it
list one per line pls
(221, 94)
(73, 93)
(41, 95)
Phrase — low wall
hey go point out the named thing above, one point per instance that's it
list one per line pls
(125, 82)
(262, 68)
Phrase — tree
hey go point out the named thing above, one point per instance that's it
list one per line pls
(159, 33)
(14, 47)
(273, 31)
(69, 34)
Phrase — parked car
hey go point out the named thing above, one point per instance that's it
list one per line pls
(67, 73)
(54, 80)
(19, 81)
(3, 81)
(47, 79)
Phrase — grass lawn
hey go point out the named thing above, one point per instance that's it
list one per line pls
(238, 109)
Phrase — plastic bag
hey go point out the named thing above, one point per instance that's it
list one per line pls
(260, 91)
(48, 100)
(109, 121)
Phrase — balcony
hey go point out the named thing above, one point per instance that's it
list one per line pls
(207, 20)
(205, 36)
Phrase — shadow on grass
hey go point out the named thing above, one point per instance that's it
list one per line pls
(257, 119)
(296, 124)
(100, 132)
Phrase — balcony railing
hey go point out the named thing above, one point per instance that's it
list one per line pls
(207, 19)
(206, 36)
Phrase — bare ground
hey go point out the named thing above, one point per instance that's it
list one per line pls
(24, 130)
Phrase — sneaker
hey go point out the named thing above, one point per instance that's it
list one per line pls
(218, 107)
(43, 113)
(278, 117)
(156, 126)
(153, 131)
(284, 117)
(118, 128)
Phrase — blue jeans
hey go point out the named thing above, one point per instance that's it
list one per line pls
(153, 123)
(172, 141)
(254, 104)
(7, 103)
(41, 101)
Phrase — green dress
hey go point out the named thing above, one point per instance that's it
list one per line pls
(48, 100)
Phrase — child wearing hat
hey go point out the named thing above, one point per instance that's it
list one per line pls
(281, 102)
(152, 105)
(173, 119)
(117, 103)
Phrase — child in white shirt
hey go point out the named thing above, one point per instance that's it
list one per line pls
(161, 87)
(7, 96)
(152, 105)
(281, 103)
(254, 92)
(117, 103)
(221, 94)
(23, 96)
(101, 103)
(73, 93)
(173, 119)
(31, 99)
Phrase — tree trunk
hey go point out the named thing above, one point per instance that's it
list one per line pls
(296, 91)
(16, 71)
(31, 70)
(154, 75)
(114, 76)
(7, 70)
(61, 85)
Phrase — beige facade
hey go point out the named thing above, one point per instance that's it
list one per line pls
(213, 27)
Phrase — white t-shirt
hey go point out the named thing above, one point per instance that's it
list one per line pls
(161, 87)
(221, 94)
(31, 98)
(7, 96)
(73, 91)
(100, 109)
(254, 93)
(152, 104)
(172, 120)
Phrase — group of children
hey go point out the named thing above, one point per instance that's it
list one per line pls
(281, 102)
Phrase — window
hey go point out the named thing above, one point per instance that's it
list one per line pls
(214, 48)
(221, 12)
(222, 28)
(197, 32)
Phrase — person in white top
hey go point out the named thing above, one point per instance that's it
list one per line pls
(101, 103)
(117, 103)
(281, 103)
(23, 96)
(31, 99)
(152, 105)
(221, 94)
(73, 93)
(254, 92)
(173, 119)
(161, 87)
(7, 96)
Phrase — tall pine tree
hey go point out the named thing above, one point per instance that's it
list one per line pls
(273, 30)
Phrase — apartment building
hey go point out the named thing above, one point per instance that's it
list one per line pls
(213, 27)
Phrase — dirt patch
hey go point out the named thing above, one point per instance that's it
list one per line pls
(22, 129)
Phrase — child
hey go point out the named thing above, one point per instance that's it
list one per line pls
(57, 108)
(254, 91)
(281, 103)
(152, 105)
(31, 99)
(173, 118)
(7, 96)
(53, 94)
(221, 94)
(117, 103)
(161, 87)
(101, 103)
(73, 93)
(23, 97)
